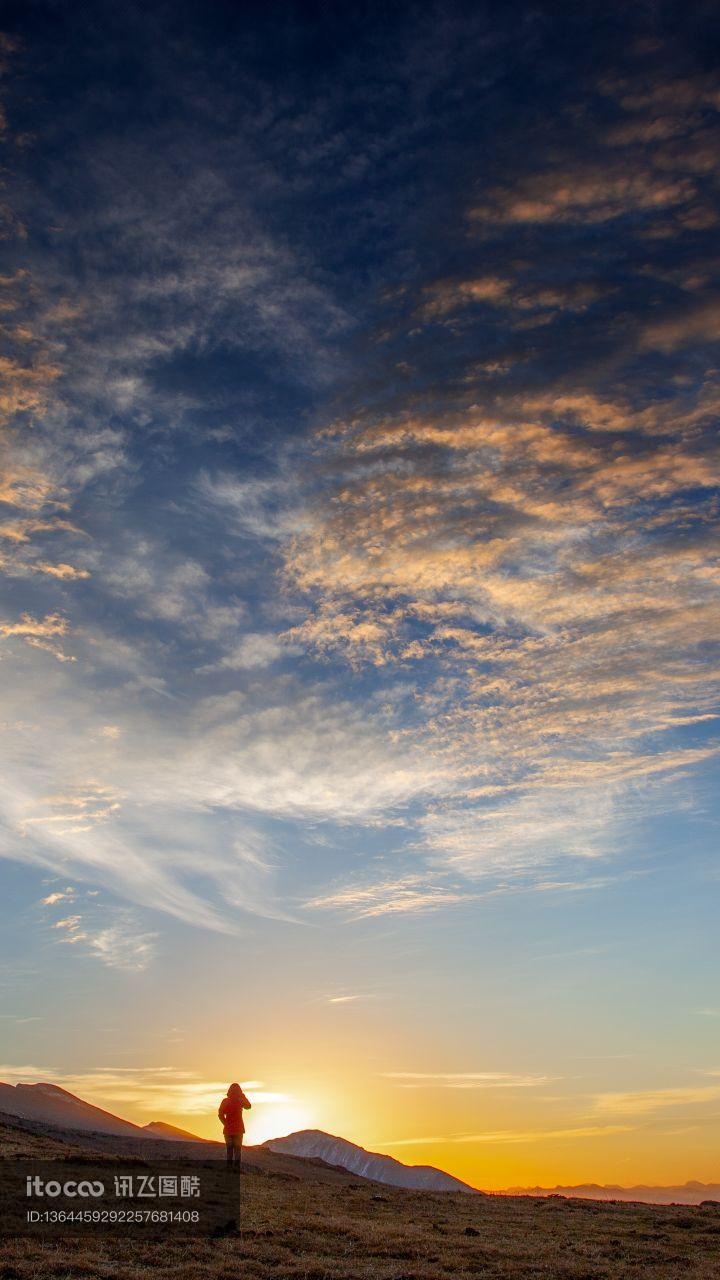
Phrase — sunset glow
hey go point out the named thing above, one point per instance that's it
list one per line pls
(276, 1120)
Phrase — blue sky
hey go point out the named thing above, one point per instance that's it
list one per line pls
(359, 549)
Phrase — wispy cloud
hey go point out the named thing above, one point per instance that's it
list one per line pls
(421, 892)
(110, 935)
(58, 896)
(511, 1137)
(122, 946)
(467, 1079)
(253, 652)
(144, 1088)
(39, 633)
(645, 1101)
(345, 999)
(409, 895)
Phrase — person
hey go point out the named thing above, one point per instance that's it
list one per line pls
(230, 1112)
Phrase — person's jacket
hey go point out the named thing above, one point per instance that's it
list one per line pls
(230, 1112)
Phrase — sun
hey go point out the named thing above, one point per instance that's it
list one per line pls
(275, 1120)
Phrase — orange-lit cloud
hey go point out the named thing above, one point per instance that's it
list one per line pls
(645, 1101)
(466, 1079)
(504, 1137)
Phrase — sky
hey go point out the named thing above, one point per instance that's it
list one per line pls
(358, 536)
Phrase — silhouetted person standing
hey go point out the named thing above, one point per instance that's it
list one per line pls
(230, 1112)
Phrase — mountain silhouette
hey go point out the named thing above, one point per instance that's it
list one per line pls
(159, 1129)
(313, 1144)
(53, 1105)
(689, 1193)
(50, 1104)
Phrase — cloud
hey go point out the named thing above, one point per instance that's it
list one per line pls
(451, 296)
(265, 509)
(548, 810)
(408, 895)
(122, 946)
(26, 390)
(689, 326)
(63, 571)
(466, 1079)
(588, 193)
(148, 1089)
(51, 625)
(167, 809)
(112, 936)
(71, 923)
(645, 1101)
(39, 633)
(510, 872)
(254, 651)
(58, 896)
(14, 1073)
(643, 165)
(506, 1137)
(73, 813)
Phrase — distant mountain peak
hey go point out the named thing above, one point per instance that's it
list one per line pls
(314, 1144)
(55, 1090)
(689, 1193)
(159, 1129)
(51, 1104)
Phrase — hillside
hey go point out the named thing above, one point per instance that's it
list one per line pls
(304, 1221)
(159, 1129)
(50, 1103)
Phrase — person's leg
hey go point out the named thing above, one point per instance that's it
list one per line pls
(229, 1142)
(238, 1150)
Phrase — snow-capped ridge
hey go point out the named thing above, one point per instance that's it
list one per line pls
(313, 1144)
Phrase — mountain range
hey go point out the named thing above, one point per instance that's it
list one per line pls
(53, 1105)
(49, 1104)
(688, 1193)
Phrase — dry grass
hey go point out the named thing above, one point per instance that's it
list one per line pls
(309, 1227)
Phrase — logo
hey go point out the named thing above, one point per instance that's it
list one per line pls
(35, 1186)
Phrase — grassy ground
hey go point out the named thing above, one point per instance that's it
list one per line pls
(301, 1226)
